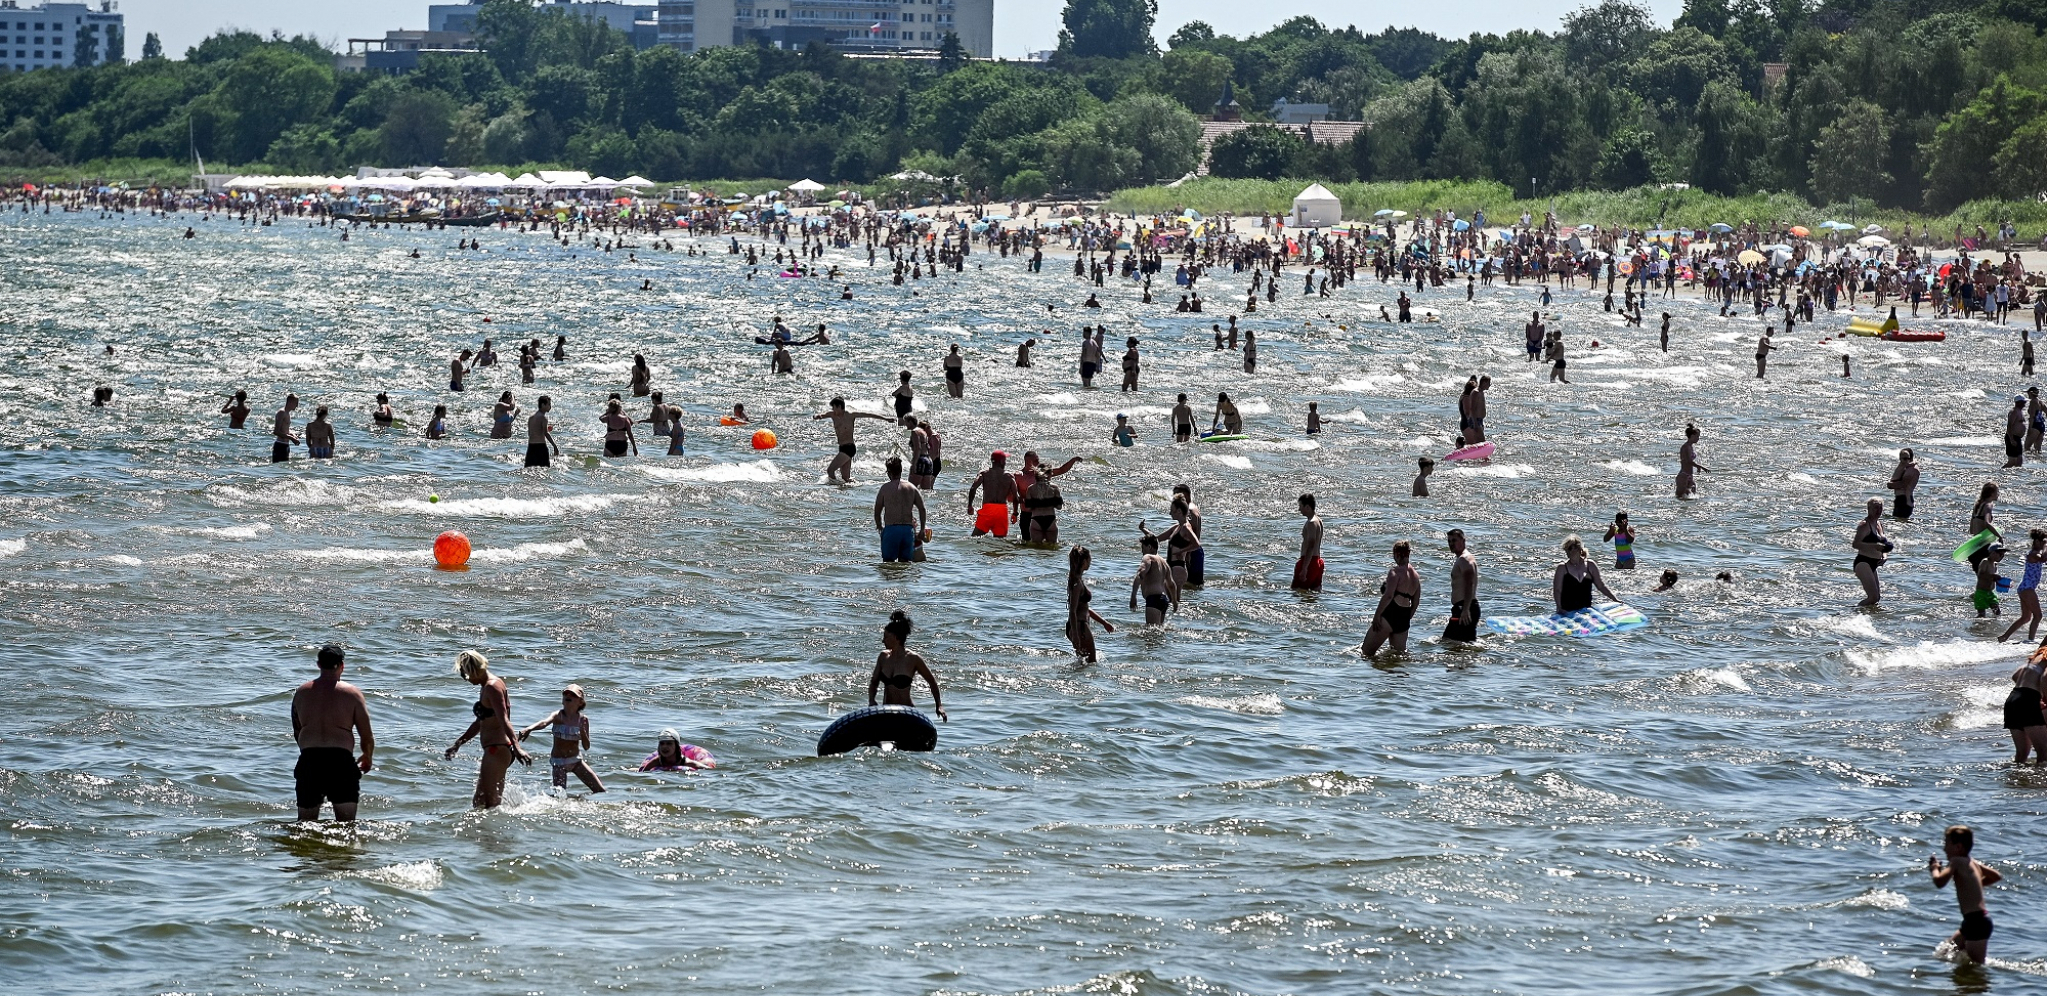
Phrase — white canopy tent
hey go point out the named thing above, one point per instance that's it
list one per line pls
(806, 186)
(1316, 207)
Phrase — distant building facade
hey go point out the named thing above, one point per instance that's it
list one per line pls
(852, 26)
(47, 36)
(635, 19)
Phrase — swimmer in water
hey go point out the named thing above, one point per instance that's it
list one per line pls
(236, 409)
(320, 435)
(502, 416)
(1970, 877)
(671, 754)
(1308, 567)
(1666, 582)
(898, 515)
(539, 433)
(1622, 536)
(1421, 480)
(1572, 582)
(381, 415)
(1154, 580)
(1688, 464)
(1398, 596)
(897, 668)
(1872, 549)
(997, 489)
(1079, 606)
(1314, 420)
(437, 427)
(1226, 417)
(1904, 481)
(571, 729)
(1023, 352)
(841, 466)
(280, 430)
(2028, 588)
(1183, 421)
(493, 723)
(1123, 436)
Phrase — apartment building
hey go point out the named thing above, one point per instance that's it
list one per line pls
(853, 26)
(47, 36)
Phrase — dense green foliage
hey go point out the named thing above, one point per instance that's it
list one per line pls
(1922, 106)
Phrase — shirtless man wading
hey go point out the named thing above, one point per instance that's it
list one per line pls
(996, 489)
(1464, 608)
(1308, 569)
(540, 434)
(280, 427)
(898, 516)
(841, 466)
(326, 714)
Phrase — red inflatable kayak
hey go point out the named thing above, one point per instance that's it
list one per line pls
(1909, 335)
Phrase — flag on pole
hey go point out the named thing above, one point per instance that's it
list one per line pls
(876, 29)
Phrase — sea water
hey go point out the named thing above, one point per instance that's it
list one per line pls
(1738, 799)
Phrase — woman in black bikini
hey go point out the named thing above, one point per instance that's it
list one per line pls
(1398, 595)
(381, 414)
(1042, 503)
(493, 724)
(896, 667)
(1078, 605)
(1870, 548)
(1571, 586)
(1182, 543)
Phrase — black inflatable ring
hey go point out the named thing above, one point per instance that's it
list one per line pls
(903, 726)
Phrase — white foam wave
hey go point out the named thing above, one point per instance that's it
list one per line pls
(9, 548)
(1255, 407)
(1930, 655)
(1966, 441)
(528, 551)
(754, 472)
(1635, 467)
(1059, 399)
(1801, 478)
(1883, 899)
(1364, 383)
(1713, 680)
(508, 508)
(297, 492)
(249, 531)
(414, 876)
(292, 361)
(1264, 704)
(1507, 470)
(1240, 463)
(1847, 965)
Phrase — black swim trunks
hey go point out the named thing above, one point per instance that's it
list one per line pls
(1977, 926)
(1901, 506)
(1467, 630)
(2014, 446)
(327, 774)
(536, 455)
(280, 451)
(846, 448)
(1156, 601)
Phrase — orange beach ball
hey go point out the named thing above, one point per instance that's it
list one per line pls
(451, 549)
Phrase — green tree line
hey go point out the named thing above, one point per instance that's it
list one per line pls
(1919, 106)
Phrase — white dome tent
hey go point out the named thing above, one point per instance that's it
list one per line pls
(1316, 207)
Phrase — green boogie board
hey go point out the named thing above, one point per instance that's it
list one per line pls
(1973, 544)
(1222, 438)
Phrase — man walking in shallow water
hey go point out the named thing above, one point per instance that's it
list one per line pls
(326, 713)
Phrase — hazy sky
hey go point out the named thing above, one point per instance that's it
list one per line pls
(1021, 26)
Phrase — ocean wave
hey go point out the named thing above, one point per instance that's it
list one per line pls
(1263, 704)
(1931, 655)
(414, 876)
(753, 472)
(290, 493)
(249, 531)
(10, 547)
(1240, 463)
(508, 508)
(1633, 467)
(1507, 470)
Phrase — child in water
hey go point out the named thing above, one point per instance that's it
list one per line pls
(1622, 536)
(1970, 877)
(675, 434)
(1985, 597)
(1421, 480)
(671, 754)
(1123, 435)
(1314, 420)
(571, 739)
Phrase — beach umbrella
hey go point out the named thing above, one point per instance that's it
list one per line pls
(1837, 226)
(1461, 225)
(1872, 229)
(837, 204)
(1383, 213)
(1749, 257)
(1873, 241)
(1719, 227)
(1801, 231)
(636, 180)
(995, 217)
(1778, 247)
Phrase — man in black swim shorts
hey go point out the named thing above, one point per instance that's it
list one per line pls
(326, 715)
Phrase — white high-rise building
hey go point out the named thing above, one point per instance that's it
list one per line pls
(864, 26)
(48, 35)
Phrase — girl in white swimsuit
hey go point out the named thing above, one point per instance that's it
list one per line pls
(571, 739)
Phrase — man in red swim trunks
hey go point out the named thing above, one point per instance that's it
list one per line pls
(997, 489)
(1308, 569)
